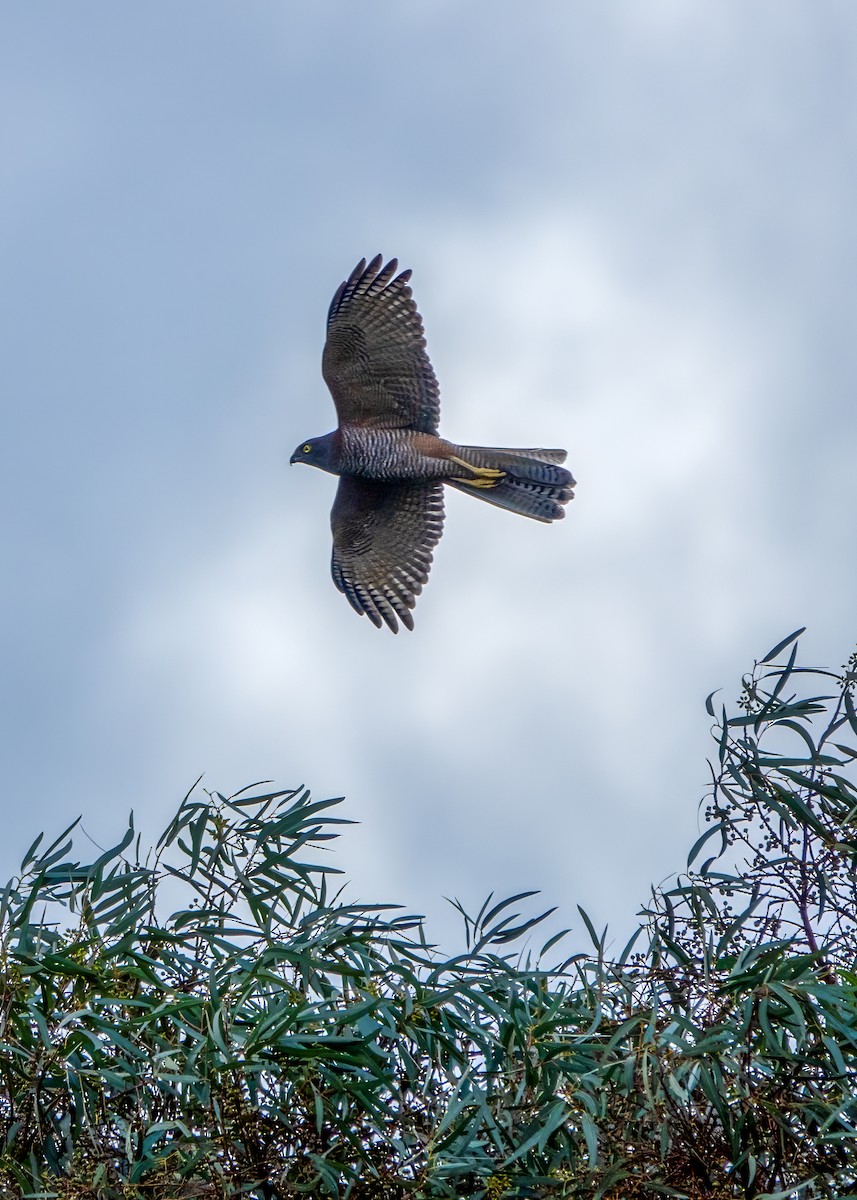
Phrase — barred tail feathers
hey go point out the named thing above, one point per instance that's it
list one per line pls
(533, 483)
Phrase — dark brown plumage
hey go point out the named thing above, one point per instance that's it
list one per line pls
(388, 513)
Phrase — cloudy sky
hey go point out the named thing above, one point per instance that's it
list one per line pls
(632, 230)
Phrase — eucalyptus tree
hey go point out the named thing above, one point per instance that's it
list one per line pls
(210, 1017)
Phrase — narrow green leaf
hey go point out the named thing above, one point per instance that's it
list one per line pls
(780, 646)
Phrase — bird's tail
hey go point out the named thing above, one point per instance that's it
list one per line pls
(529, 482)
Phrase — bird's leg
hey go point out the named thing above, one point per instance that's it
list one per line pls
(482, 477)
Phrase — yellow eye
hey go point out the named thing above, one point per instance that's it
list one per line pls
(307, 448)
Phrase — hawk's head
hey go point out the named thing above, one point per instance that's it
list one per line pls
(317, 452)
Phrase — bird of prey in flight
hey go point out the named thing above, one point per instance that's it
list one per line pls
(392, 464)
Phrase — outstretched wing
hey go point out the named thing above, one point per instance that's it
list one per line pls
(375, 360)
(383, 538)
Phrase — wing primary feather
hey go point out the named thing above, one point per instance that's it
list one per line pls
(347, 288)
(374, 286)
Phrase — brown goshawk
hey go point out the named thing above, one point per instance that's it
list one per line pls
(388, 513)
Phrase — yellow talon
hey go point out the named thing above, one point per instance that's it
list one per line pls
(482, 477)
(480, 483)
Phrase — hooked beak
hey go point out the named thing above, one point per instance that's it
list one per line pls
(293, 459)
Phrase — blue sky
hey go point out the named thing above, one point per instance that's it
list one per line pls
(632, 234)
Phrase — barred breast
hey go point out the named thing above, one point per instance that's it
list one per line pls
(393, 455)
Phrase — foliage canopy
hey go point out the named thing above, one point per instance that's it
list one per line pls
(265, 1038)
